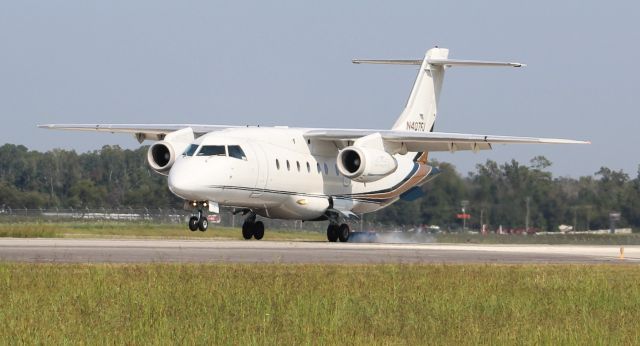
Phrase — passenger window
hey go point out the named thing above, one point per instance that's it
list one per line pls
(191, 150)
(326, 169)
(318, 166)
(288, 166)
(308, 168)
(298, 165)
(277, 164)
(212, 150)
(236, 152)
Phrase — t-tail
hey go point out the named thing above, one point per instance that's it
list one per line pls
(422, 106)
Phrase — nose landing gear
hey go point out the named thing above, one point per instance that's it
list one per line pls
(198, 221)
(193, 223)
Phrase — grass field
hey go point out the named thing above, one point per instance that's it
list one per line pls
(313, 304)
(139, 230)
(101, 229)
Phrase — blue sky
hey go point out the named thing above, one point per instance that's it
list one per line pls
(288, 63)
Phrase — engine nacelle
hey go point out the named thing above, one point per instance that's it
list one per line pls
(163, 154)
(365, 164)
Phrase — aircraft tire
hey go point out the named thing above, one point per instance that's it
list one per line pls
(332, 233)
(248, 230)
(193, 223)
(344, 232)
(203, 224)
(258, 230)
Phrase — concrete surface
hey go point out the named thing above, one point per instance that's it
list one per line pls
(145, 250)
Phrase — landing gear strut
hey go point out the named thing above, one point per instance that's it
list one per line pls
(198, 222)
(337, 232)
(252, 228)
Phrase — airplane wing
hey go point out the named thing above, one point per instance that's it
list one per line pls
(141, 131)
(415, 141)
(434, 141)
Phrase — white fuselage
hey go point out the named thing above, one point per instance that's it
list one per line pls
(285, 176)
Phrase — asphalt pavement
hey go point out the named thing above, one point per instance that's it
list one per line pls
(225, 251)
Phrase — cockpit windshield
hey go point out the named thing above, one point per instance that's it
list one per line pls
(191, 150)
(236, 152)
(212, 150)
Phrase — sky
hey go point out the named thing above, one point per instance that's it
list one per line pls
(289, 63)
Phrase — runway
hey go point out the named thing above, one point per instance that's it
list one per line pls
(198, 251)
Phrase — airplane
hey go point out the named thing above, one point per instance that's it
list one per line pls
(310, 174)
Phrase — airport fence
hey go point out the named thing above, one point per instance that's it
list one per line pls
(160, 215)
(165, 215)
(373, 231)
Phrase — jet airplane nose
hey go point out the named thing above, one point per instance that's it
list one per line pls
(182, 183)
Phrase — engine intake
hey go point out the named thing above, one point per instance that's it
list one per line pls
(161, 156)
(365, 164)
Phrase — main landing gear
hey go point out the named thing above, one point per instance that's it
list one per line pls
(252, 228)
(198, 221)
(337, 232)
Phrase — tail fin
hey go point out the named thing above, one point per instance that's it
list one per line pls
(422, 107)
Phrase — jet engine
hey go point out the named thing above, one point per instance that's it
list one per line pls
(163, 154)
(365, 164)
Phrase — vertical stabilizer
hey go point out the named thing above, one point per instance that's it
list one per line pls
(422, 107)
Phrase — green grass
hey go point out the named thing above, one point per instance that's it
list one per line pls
(138, 230)
(123, 229)
(319, 304)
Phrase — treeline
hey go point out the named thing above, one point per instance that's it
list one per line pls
(504, 194)
(110, 177)
(494, 194)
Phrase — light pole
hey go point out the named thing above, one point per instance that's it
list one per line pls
(464, 205)
(526, 220)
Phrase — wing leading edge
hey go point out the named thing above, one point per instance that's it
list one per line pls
(435, 141)
(414, 141)
(141, 131)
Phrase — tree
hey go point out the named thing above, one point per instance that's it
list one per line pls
(113, 177)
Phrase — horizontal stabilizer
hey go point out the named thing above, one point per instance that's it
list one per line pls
(441, 62)
(454, 62)
(387, 62)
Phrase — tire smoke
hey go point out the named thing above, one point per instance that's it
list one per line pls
(391, 237)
